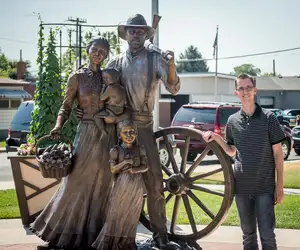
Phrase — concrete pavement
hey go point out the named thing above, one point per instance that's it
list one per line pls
(13, 237)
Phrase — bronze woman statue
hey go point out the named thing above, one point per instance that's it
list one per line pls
(128, 161)
(76, 213)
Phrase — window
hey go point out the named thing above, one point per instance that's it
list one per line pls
(4, 103)
(196, 115)
(225, 113)
(15, 103)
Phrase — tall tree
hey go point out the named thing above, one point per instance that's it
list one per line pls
(246, 68)
(194, 66)
(48, 94)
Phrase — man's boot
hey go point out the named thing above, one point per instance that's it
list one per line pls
(162, 242)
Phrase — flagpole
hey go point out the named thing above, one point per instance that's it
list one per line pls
(216, 64)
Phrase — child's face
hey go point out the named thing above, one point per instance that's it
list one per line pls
(128, 134)
(107, 78)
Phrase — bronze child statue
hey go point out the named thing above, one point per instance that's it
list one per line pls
(127, 161)
(113, 97)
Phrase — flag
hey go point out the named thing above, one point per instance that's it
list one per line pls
(215, 45)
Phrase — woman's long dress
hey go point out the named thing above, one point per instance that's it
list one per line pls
(76, 213)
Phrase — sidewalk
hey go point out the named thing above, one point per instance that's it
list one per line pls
(13, 237)
(11, 185)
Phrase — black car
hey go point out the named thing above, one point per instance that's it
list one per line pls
(20, 126)
(289, 117)
(296, 137)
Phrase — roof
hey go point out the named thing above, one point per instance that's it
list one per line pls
(12, 81)
(286, 83)
(278, 83)
(14, 93)
(206, 74)
(198, 104)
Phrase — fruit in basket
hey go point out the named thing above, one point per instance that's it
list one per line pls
(58, 155)
(26, 149)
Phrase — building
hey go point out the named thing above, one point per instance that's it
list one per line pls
(273, 92)
(12, 93)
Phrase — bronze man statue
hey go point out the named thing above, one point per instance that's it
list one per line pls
(141, 72)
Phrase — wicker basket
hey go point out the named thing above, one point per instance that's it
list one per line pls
(52, 171)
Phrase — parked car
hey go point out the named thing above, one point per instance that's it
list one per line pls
(205, 116)
(20, 126)
(163, 152)
(289, 117)
(212, 116)
(296, 137)
(287, 144)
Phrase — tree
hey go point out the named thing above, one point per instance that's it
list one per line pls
(195, 66)
(48, 94)
(249, 69)
(271, 74)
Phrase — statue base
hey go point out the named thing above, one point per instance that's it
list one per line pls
(149, 244)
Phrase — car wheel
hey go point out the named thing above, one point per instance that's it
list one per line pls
(190, 156)
(285, 149)
(164, 155)
(297, 151)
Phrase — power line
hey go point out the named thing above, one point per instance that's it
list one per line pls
(14, 40)
(240, 56)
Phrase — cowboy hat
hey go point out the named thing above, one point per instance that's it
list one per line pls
(137, 21)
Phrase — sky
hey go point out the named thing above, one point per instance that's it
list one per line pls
(245, 27)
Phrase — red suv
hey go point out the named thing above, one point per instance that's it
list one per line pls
(204, 116)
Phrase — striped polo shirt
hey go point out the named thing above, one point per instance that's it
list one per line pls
(253, 137)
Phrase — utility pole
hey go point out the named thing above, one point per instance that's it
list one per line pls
(78, 21)
(156, 42)
(274, 70)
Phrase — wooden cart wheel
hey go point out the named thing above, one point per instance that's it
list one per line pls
(181, 185)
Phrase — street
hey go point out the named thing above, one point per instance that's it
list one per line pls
(6, 179)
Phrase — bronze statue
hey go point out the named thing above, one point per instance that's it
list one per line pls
(113, 97)
(142, 70)
(128, 161)
(76, 213)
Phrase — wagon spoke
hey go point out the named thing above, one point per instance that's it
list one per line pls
(170, 152)
(189, 212)
(166, 170)
(201, 176)
(185, 154)
(200, 204)
(169, 197)
(206, 190)
(175, 213)
(198, 161)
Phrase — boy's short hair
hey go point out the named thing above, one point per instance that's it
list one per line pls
(245, 76)
(113, 72)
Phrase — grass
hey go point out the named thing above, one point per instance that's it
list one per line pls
(2, 144)
(291, 176)
(288, 214)
(9, 208)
